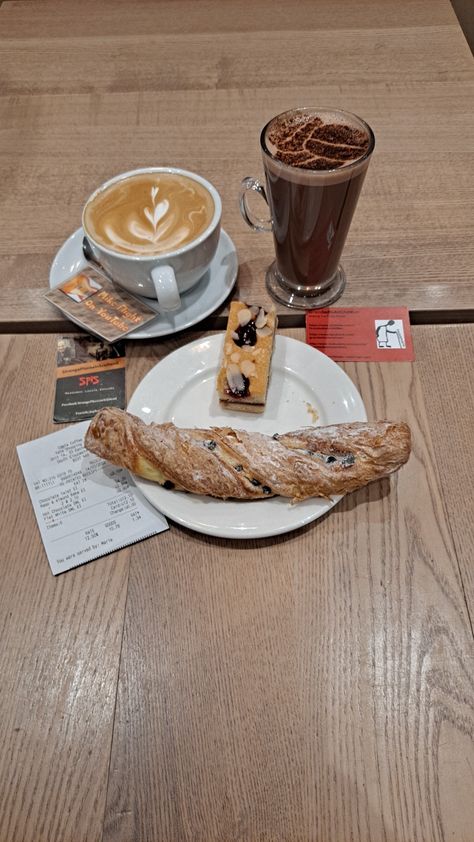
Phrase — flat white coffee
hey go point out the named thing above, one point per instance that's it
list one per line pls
(149, 213)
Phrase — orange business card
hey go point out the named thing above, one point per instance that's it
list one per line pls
(100, 306)
(361, 334)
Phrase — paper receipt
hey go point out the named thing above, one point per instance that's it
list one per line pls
(84, 506)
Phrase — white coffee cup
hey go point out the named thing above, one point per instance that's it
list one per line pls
(164, 276)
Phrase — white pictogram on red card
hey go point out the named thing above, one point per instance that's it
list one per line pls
(389, 333)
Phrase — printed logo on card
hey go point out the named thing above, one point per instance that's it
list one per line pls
(389, 333)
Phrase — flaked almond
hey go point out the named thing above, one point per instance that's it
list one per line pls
(235, 357)
(261, 319)
(247, 368)
(235, 378)
(254, 310)
(244, 316)
(234, 335)
(264, 331)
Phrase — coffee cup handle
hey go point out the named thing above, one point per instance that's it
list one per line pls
(166, 288)
(254, 222)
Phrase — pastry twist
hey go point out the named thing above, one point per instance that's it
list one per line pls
(227, 463)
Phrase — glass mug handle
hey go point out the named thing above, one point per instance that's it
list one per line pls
(254, 222)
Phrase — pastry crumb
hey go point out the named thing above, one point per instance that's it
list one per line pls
(312, 411)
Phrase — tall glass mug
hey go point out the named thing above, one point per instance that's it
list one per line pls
(315, 161)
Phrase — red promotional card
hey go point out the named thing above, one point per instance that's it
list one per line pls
(361, 334)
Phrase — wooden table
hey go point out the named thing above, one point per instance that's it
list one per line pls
(316, 687)
(92, 89)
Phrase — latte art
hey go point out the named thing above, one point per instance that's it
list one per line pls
(149, 214)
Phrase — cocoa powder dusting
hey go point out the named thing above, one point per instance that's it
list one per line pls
(315, 145)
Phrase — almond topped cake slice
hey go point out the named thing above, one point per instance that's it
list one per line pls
(242, 381)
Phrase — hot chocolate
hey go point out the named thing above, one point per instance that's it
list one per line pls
(315, 163)
(320, 141)
(149, 213)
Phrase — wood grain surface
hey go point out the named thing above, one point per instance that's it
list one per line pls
(318, 686)
(60, 640)
(445, 366)
(92, 89)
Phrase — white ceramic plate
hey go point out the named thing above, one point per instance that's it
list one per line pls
(182, 388)
(211, 291)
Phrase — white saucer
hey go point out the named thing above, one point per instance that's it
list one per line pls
(199, 302)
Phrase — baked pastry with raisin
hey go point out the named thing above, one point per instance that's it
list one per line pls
(227, 463)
